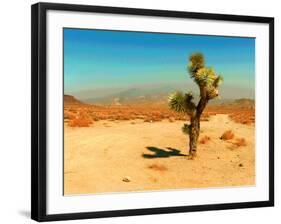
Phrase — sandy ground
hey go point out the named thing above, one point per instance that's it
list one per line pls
(118, 156)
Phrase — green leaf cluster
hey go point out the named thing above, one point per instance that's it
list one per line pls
(205, 77)
(182, 103)
(186, 129)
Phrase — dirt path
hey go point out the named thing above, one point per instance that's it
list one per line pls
(136, 156)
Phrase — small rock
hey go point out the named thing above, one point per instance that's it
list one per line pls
(126, 179)
(218, 157)
(240, 165)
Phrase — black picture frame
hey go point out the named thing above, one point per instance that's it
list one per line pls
(38, 108)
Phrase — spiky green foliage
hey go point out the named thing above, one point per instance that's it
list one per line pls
(205, 77)
(186, 129)
(176, 102)
(218, 81)
(181, 103)
(196, 61)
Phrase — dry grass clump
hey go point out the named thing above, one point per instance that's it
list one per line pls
(147, 120)
(171, 119)
(204, 139)
(227, 135)
(205, 117)
(156, 118)
(69, 115)
(240, 142)
(81, 120)
(157, 167)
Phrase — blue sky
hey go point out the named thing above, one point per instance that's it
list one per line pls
(106, 59)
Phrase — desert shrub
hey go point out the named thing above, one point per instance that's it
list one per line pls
(171, 119)
(227, 135)
(204, 119)
(240, 142)
(204, 139)
(81, 120)
(156, 118)
(69, 115)
(125, 118)
(147, 119)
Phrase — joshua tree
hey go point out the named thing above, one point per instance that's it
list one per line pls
(208, 82)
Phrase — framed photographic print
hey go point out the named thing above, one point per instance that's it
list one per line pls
(139, 111)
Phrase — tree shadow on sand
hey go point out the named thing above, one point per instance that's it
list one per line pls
(162, 153)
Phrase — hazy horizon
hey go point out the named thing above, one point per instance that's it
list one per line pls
(104, 62)
(226, 91)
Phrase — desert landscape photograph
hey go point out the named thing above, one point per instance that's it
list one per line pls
(157, 111)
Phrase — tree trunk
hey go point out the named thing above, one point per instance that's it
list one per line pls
(195, 125)
(193, 136)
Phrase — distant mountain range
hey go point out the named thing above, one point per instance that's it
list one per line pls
(131, 98)
(243, 102)
(134, 96)
(71, 100)
(156, 93)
